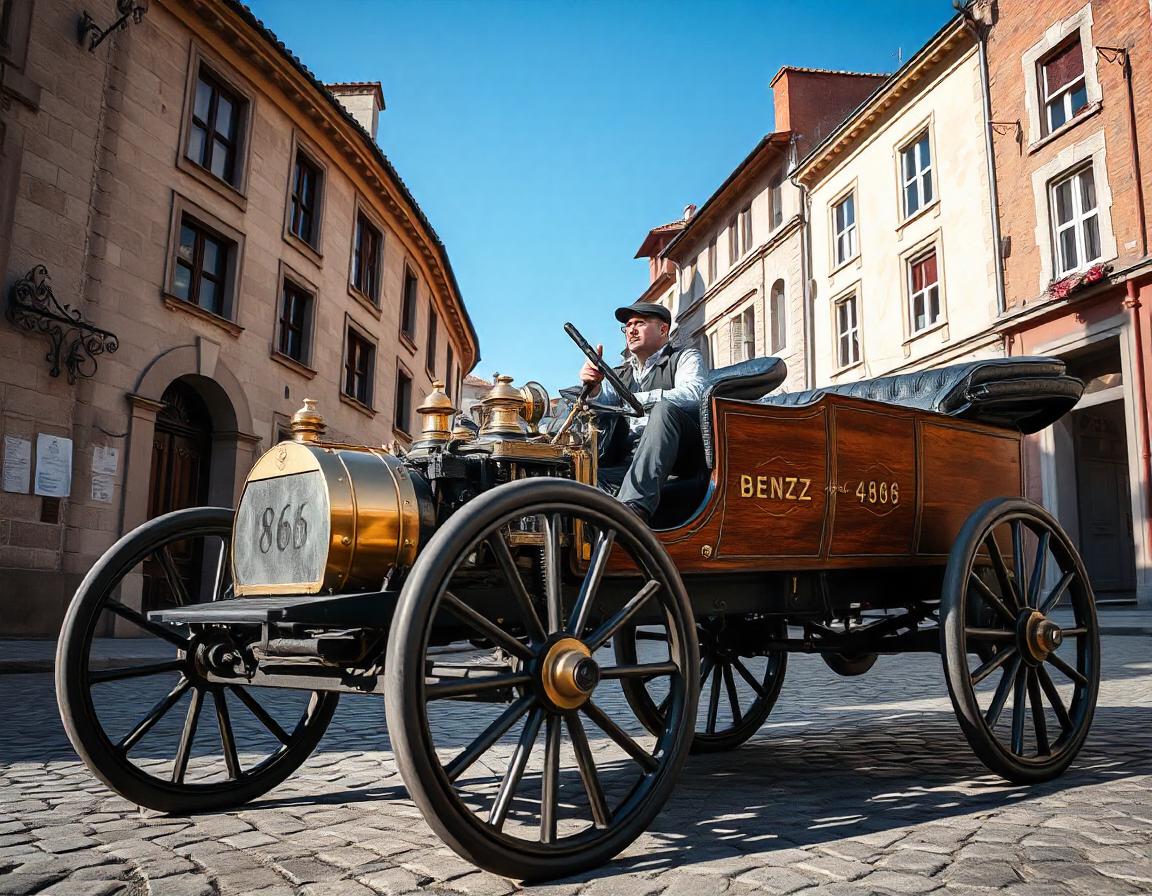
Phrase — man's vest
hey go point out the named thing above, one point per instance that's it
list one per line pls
(662, 374)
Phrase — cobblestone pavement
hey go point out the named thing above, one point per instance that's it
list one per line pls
(853, 786)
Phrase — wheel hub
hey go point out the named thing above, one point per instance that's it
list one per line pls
(568, 674)
(1040, 635)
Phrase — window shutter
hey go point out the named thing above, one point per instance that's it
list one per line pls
(736, 342)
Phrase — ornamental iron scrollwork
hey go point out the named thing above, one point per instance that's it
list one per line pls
(33, 306)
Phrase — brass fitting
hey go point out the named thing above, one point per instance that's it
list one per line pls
(436, 415)
(503, 412)
(307, 424)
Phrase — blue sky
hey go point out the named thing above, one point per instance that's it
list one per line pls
(544, 139)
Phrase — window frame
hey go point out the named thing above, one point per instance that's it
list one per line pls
(713, 272)
(353, 332)
(1078, 219)
(360, 213)
(733, 240)
(852, 230)
(778, 318)
(1065, 91)
(181, 208)
(922, 135)
(235, 191)
(291, 277)
(746, 342)
(776, 201)
(910, 261)
(745, 217)
(849, 296)
(402, 375)
(409, 311)
(431, 339)
(312, 248)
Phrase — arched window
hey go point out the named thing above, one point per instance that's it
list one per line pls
(779, 318)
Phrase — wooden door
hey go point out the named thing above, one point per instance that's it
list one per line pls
(181, 454)
(1104, 500)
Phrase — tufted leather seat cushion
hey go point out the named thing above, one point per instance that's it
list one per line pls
(748, 380)
(1023, 393)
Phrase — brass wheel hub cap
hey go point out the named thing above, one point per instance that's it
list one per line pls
(568, 674)
(1041, 635)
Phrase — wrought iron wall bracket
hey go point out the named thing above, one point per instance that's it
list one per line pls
(73, 342)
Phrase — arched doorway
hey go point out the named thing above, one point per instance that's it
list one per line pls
(179, 478)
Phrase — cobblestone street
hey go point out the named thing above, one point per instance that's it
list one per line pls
(853, 786)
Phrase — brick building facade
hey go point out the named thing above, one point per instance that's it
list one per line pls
(1070, 86)
(191, 188)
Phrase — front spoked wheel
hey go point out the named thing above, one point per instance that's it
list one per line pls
(151, 726)
(496, 647)
(1020, 641)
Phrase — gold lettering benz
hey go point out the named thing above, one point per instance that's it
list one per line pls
(776, 488)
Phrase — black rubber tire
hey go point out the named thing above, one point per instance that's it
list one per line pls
(428, 783)
(849, 664)
(751, 720)
(79, 715)
(958, 641)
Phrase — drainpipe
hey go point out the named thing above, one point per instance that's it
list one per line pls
(981, 29)
(1132, 303)
(806, 292)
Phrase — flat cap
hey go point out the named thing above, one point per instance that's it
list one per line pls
(643, 309)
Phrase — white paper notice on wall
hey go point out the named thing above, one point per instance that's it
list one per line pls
(17, 464)
(102, 485)
(53, 466)
(105, 460)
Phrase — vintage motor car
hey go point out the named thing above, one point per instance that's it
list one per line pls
(547, 661)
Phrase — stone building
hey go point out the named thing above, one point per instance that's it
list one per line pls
(733, 271)
(1070, 87)
(189, 188)
(903, 275)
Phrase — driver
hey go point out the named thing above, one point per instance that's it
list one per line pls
(668, 381)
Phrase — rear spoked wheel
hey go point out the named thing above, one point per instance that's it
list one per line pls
(467, 727)
(738, 686)
(149, 724)
(1020, 641)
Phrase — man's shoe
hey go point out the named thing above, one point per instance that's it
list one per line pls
(644, 515)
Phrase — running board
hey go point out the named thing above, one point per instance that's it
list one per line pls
(369, 610)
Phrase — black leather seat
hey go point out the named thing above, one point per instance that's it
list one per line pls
(1024, 393)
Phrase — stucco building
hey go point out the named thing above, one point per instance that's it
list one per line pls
(1070, 85)
(903, 273)
(229, 224)
(733, 271)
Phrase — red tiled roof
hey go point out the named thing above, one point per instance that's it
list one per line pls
(822, 71)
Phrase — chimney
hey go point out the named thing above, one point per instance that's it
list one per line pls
(363, 100)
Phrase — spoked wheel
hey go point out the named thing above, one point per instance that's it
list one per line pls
(738, 687)
(465, 722)
(152, 727)
(1020, 641)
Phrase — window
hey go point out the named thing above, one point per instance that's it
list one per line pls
(844, 221)
(304, 202)
(733, 242)
(430, 351)
(295, 323)
(916, 167)
(923, 292)
(1062, 85)
(214, 135)
(1076, 221)
(712, 272)
(776, 199)
(779, 318)
(745, 229)
(359, 367)
(714, 348)
(408, 305)
(743, 335)
(200, 275)
(847, 332)
(403, 401)
(366, 259)
(449, 372)
(690, 279)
